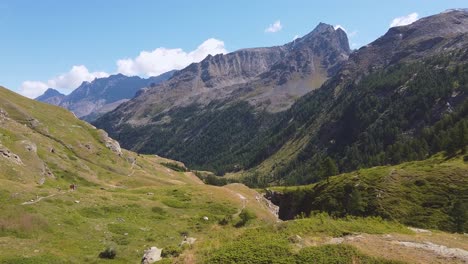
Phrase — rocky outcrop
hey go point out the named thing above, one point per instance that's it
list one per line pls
(5, 153)
(29, 146)
(151, 255)
(3, 114)
(110, 143)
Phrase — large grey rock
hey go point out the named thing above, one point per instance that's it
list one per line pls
(151, 255)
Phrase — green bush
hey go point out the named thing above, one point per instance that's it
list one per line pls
(245, 216)
(108, 253)
(255, 246)
(174, 166)
(171, 251)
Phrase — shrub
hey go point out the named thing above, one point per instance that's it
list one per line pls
(171, 251)
(108, 253)
(245, 216)
(226, 220)
(174, 166)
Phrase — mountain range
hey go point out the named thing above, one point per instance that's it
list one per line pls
(277, 113)
(183, 115)
(92, 99)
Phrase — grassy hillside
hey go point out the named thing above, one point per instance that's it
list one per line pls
(126, 203)
(423, 194)
(123, 200)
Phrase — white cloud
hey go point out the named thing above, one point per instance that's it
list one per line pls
(404, 20)
(65, 82)
(147, 63)
(275, 27)
(74, 78)
(160, 60)
(295, 37)
(355, 45)
(33, 89)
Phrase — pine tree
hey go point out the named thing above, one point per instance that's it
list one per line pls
(459, 216)
(329, 168)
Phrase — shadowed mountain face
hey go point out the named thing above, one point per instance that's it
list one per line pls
(245, 87)
(92, 99)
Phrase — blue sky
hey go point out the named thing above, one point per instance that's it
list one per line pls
(61, 43)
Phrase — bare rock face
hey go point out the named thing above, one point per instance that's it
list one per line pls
(151, 255)
(110, 143)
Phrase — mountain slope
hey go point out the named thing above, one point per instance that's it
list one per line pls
(122, 200)
(211, 109)
(92, 99)
(422, 194)
(384, 107)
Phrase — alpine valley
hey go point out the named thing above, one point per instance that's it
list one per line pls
(309, 152)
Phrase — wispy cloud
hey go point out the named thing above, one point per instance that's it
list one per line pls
(404, 20)
(275, 27)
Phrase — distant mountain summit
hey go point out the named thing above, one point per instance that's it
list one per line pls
(92, 99)
(51, 96)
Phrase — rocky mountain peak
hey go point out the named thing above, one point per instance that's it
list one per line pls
(324, 34)
(51, 96)
(50, 93)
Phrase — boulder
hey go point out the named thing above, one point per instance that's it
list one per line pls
(151, 255)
